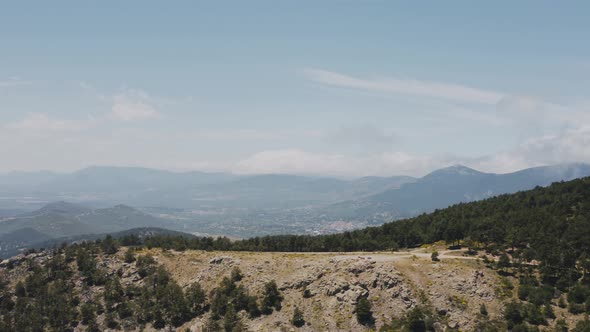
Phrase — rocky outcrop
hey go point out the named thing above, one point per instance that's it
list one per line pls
(227, 260)
(326, 287)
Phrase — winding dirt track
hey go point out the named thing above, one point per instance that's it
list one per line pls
(399, 255)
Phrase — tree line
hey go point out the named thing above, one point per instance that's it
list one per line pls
(550, 225)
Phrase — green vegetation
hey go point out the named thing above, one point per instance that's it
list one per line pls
(272, 298)
(298, 319)
(540, 238)
(364, 313)
(434, 256)
(419, 319)
(550, 225)
(48, 299)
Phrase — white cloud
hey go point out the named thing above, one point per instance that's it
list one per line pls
(39, 122)
(13, 82)
(132, 105)
(570, 145)
(295, 161)
(238, 134)
(448, 91)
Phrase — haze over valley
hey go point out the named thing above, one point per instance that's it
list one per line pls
(286, 166)
(38, 207)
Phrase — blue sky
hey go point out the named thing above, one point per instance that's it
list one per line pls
(342, 88)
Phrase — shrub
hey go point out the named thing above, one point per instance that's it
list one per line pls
(236, 274)
(483, 310)
(364, 313)
(129, 257)
(297, 319)
(576, 308)
(434, 256)
(513, 313)
(272, 298)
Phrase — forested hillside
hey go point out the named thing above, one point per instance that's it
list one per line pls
(525, 265)
(550, 225)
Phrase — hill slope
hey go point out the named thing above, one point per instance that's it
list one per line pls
(532, 271)
(454, 185)
(62, 220)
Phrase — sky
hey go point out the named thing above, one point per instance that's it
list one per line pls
(339, 88)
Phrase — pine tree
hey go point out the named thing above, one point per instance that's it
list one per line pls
(364, 314)
(561, 325)
(415, 320)
(19, 289)
(272, 298)
(195, 297)
(88, 313)
(504, 261)
(297, 319)
(211, 325)
(434, 256)
(231, 319)
(253, 309)
(236, 274)
(109, 246)
(129, 257)
(548, 311)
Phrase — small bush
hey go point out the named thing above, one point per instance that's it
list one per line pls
(434, 256)
(297, 319)
(364, 313)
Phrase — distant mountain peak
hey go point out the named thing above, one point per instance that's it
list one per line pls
(63, 207)
(455, 170)
(124, 207)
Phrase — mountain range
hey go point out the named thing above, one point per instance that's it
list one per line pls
(453, 185)
(100, 200)
(62, 221)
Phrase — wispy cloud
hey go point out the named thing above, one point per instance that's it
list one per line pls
(448, 91)
(570, 145)
(297, 161)
(41, 122)
(13, 82)
(132, 105)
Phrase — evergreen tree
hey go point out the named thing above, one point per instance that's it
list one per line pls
(297, 319)
(236, 274)
(548, 311)
(195, 297)
(582, 326)
(231, 319)
(504, 261)
(253, 309)
(109, 246)
(434, 256)
(513, 313)
(19, 289)
(561, 325)
(113, 293)
(110, 321)
(272, 298)
(211, 325)
(364, 313)
(218, 304)
(88, 313)
(129, 257)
